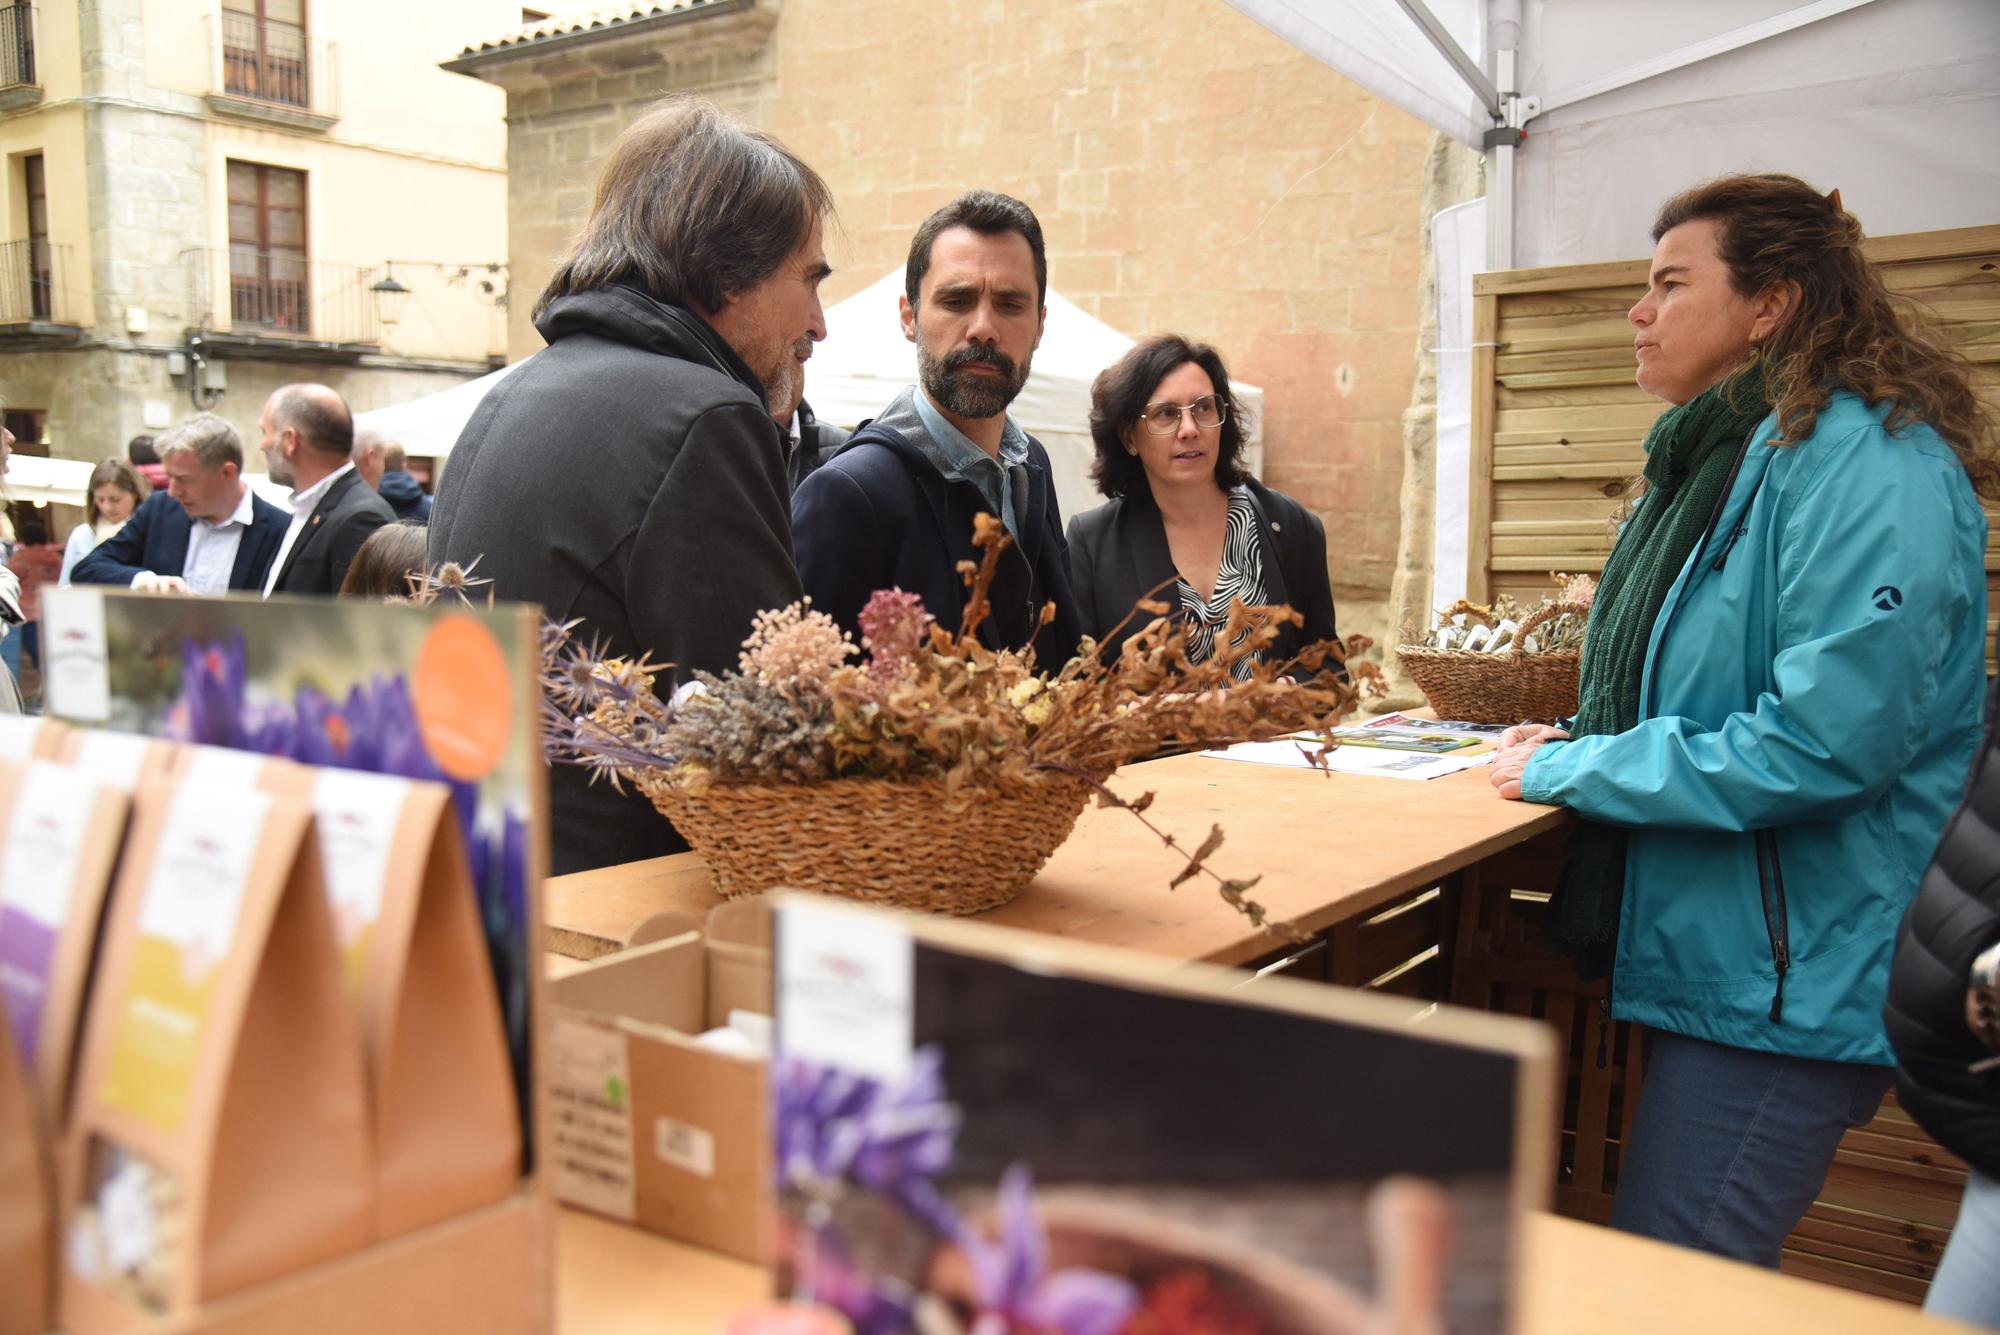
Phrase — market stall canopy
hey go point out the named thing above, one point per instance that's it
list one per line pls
(1892, 101)
(430, 426)
(865, 362)
(34, 480)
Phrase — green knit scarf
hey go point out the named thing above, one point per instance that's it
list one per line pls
(1690, 454)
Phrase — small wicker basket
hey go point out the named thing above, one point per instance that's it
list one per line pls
(1513, 686)
(886, 841)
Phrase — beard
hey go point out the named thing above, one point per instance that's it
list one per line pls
(785, 381)
(957, 391)
(281, 470)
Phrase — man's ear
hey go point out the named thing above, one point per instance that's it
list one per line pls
(230, 471)
(909, 316)
(1041, 325)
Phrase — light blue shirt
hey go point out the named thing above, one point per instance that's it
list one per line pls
(955, 456)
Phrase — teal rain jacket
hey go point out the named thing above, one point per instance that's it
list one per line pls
(1809, 709)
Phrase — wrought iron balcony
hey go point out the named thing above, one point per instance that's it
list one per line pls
(278, 298)
(273, 71)
(17, 45)
(32, 290)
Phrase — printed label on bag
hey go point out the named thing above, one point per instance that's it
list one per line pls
(76, 666)
(844, 984)
(187, 921)
(116, 756)
(38, 870)
(356, 815)
(223, 765)
(590, 1087)
(684, 1145)
(18, 735)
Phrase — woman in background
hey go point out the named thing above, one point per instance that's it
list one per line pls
(384, 565)
(115, 492)
(1185, 518)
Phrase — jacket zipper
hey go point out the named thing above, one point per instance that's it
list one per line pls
(1777, 923)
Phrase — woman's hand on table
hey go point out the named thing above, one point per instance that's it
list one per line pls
(1517, 746)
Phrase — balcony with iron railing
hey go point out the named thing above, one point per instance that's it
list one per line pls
(273, 72)
(33, 296)
(20, 84)
(283, 303)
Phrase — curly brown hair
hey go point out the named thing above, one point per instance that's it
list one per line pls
(1122, 390)
(1846, 330)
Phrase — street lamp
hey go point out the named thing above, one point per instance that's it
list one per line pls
(390, 296)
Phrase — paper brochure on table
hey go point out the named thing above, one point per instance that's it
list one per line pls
(1293, 751)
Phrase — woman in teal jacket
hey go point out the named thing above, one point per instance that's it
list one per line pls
(1782, 687)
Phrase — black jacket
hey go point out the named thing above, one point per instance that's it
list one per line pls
(629, 475)
(1954, 917)
(404, 495)
(345, 516)
(818, 442)
(1118, 554)
(879, 515)
(155, 538)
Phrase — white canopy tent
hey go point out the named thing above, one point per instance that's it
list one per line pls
(866, 362)
(1592, 112)
(35, 480)
(428, 427)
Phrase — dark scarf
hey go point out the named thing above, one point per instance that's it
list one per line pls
(1691, 453)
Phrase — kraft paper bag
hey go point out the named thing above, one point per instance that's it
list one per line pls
(125, 758)
(739, 957)
(27, 1200)
(60, 831)
(238, 769)
(30, 737)
(219, 1138)
(446, 1126)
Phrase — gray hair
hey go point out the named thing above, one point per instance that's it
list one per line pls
(212, 441)
(692, 206)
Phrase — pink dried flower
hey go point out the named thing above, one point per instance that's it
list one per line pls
(794, 651)
(893, 624)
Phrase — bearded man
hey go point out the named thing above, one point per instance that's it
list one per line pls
(895, 508)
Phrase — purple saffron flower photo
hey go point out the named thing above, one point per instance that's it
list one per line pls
(1016, 1290)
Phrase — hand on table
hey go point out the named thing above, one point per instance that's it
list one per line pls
(148, 582)
(1517, 746)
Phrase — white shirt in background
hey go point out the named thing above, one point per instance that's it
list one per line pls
(303, 504)
(211, 552)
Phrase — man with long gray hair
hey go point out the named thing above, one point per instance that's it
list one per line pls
(630, 475)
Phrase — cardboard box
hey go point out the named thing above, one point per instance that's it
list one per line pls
(650, 1127)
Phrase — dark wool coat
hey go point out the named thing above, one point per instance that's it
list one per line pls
(629, 476)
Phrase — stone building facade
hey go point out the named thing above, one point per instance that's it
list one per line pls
(200, 198)
(1192, 172)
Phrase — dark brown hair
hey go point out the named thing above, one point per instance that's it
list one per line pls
(118, 473)
(692, 206)
(988, 213)
(383, 564)
(1123, 389)
(1846, 330)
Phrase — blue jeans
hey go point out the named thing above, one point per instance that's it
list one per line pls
(1967, 1287)
(1729, 1147)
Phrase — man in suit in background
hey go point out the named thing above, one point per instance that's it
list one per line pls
(207, 532)
(309, 445)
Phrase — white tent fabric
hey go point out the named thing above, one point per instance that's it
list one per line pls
(39, 481)
(865, 362)
(428, 427)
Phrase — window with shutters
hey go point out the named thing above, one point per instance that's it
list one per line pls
(264, 50)
(268, 279)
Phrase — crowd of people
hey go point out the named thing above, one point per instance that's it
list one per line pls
(1782, 682)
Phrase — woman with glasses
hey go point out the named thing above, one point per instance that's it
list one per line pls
(1186, 524)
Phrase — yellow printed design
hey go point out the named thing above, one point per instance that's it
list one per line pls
(157, 1043)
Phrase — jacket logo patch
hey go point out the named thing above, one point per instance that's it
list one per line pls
(1888, 597)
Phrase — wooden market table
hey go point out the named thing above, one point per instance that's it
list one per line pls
(1330, 848)
(613, 1279)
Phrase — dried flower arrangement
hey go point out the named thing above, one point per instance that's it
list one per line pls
(1499, 663)
(934, 717)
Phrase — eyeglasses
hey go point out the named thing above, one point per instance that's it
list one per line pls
(1165, 418)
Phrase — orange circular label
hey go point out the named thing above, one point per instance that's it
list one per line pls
(464, 707)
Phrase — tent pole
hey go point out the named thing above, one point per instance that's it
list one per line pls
(1447, 46)
(1682, 57)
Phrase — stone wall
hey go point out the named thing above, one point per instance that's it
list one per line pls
(1192, 172)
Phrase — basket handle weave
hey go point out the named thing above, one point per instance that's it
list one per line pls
(1545, 612)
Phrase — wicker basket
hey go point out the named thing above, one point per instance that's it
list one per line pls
(1515, 686)
(886, 841)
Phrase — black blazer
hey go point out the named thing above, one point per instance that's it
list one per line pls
(155, 539)
(334, 532)
(1118, 554)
